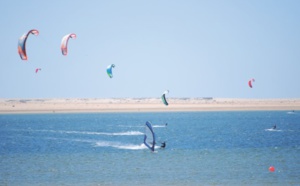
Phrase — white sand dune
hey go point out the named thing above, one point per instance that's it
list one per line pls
(143, 105)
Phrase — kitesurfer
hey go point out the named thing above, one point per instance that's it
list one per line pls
(163, 145)
(274, 127)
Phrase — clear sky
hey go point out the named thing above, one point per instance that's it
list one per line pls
(200, 48)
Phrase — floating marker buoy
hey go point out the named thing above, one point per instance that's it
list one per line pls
(271, 169)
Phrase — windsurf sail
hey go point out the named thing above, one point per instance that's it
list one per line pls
(149, 138)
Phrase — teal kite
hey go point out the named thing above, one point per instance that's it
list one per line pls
(163, 97)
(109, 70)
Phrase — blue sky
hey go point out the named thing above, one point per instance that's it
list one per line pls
(192, 48)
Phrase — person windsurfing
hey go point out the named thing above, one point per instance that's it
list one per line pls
(163, 144)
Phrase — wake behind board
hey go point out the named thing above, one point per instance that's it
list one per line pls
(273, 130)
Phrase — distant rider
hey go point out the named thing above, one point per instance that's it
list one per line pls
(163, 145)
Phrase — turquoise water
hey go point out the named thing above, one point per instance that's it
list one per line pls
(203, 148)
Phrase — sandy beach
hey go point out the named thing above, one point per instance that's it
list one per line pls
(143, 105)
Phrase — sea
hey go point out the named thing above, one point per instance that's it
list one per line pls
(202, 148)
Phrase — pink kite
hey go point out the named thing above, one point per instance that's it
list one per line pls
(250, 82)
(38, 69)
(64, 43)
(22, 43)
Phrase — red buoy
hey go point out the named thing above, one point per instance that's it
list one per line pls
(271, 169)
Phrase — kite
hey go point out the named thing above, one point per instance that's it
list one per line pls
(64, 43)
(37, 70)
(109, 70)
(22, 43)
(163, 97)
(250, 82)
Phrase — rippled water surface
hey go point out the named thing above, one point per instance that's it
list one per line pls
(203, 148)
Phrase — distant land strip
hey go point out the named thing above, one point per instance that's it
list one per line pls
(94, 105)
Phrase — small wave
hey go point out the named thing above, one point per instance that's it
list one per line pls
(273, 130)
(120, 145)
(158, 126)
(68, 139)
(132, 147)
(291, 112)
(127, 133)
(130, 126)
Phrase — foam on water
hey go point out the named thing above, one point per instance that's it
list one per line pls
(126, 133)
(120, 145)
(158, 126)
(273, 130)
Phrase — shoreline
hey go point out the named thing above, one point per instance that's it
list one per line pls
(23, 106)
